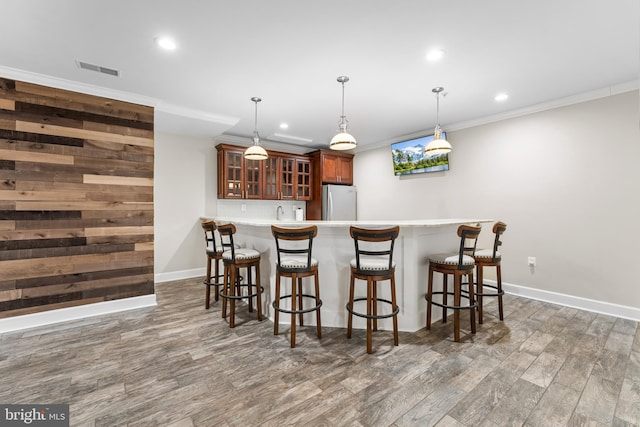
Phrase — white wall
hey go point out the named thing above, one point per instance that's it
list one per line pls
(184, 190)
(566, 182)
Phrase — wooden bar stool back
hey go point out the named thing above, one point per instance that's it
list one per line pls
(490, 258)
(295, 261)
(234, 259)
(214, 255)
(373, 263)
(457, 264)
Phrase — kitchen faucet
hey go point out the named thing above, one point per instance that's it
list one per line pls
(278, 211)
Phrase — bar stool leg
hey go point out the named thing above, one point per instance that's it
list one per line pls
(456, 312)
(369, 319)
(249, 288)
(208, 294)
(394, 306)
(293, 308)
(472, 312)
(499, 285)
(429, 297)
(301, 315)
(258, 291)
(217, 276)
(350, 319)
(480, 291)
(225, 290)
(374, 304)
(232, 302)
(318, 323)
(445, 296)
(276, 301)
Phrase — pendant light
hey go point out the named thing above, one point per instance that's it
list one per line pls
(437, 145)
(255, 151)
(343, 140)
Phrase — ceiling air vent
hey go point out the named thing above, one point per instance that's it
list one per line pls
(98, 68)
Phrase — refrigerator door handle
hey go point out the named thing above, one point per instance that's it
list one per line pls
(330, 204)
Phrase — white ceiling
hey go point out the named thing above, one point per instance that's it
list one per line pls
(290, 52)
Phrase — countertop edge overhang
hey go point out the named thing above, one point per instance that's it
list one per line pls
(359, 223)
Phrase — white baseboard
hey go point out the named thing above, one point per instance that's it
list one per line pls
(178, 275)
(44, 318)
(625, 312)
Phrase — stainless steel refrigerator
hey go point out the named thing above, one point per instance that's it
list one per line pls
(338, 203)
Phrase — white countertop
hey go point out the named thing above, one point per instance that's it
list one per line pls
(261, 222)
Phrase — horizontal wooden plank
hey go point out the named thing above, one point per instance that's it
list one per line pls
(80, 277)
(117, 231)
(120, 125)
(11, 135)
(23, 126)
(7, 104)
(7, 225)
(120, 129)
(29, 205)
(148, 246)
(38, 252)
(114, 240)
(35, 216)
(7, 184)
(26, 156)
(41, 234)
(85, 286)
(117, 180)
(85, 99)
(10, 295)
(7, 125)
(4, 313)
(112, 165)
(43, 195)
(42, 267)
(6, 285)
(121, 153)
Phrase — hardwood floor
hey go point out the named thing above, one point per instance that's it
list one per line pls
(180, 365)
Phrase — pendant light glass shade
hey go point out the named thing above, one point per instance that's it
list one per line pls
(255, 151)
(343, 140)
(437, 145)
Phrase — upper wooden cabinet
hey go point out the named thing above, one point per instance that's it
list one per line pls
(328, 167)
(281, 176)
(238, 178)
(335, 167)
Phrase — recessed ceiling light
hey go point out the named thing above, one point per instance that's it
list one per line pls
(166, 43)
(435, 54)
(501, 97)
(284, 126)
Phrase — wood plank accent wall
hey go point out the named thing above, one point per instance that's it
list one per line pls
(76, 199)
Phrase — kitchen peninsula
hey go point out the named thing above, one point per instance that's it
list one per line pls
(334, 248)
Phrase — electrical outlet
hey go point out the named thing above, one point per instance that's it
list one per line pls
(531, 261)
(243, 207)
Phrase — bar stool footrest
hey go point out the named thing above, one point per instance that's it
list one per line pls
(372, 316)
(216, 283)
(238, 297)
(491, 294)
(298, 311)
(454, 307)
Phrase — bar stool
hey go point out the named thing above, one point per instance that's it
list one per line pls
(373, 263)
(458, 264)
(234, 259)
(490, 258)
(293, 248)
(214, 254)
